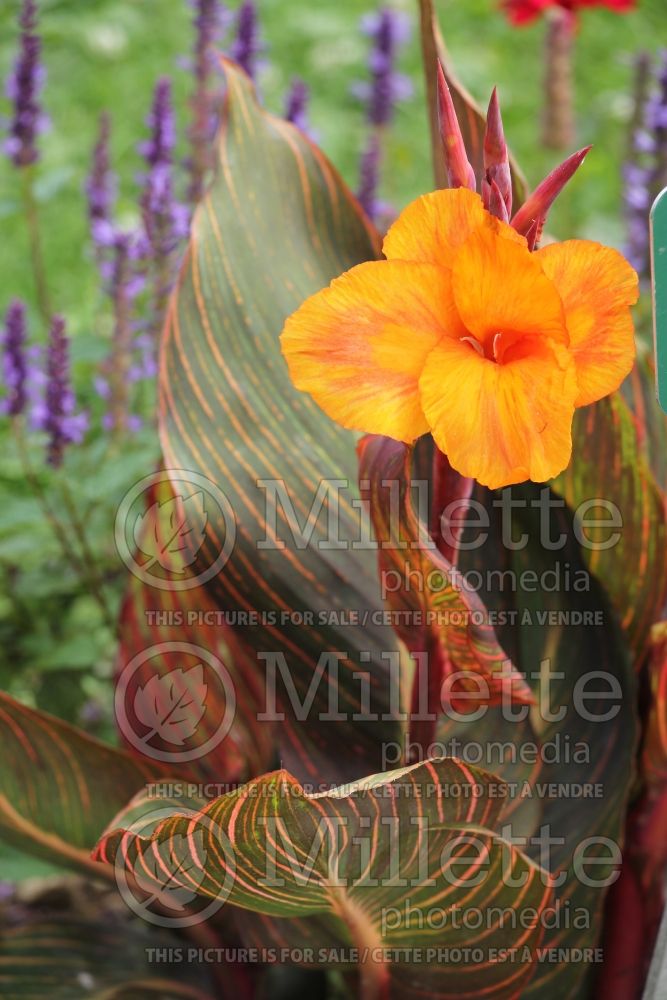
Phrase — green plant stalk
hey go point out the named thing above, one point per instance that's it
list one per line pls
(35, 238)
(90, 568)
(58, 528)
(84, 568)
(119, 362)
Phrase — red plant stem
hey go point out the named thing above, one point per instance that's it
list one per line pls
(426, 705)
(447, 487)
(558, 132)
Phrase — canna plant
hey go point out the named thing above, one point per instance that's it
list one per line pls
(431, 785)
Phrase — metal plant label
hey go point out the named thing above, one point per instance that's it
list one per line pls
(659, 283)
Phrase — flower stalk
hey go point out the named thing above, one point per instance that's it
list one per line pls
(558, 125)
(31, 216)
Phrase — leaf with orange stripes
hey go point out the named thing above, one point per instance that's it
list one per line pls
(186, 691)
(439, 623)
(384, 874)
(609, 481)
(654, 753)
(277, 225)
(649, 418)
(59, 787)
(557, 623)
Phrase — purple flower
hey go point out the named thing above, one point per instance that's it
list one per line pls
(23, 87)
(159, 149)
(296, 104)
(246, 47)
(388, 30)
(165, 220)
(209, 21)
(369, 176)
(101, 188)
(645, 171)
(15, 361)
(124, 282)
(62, 425)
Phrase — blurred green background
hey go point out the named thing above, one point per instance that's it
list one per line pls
(56, 648)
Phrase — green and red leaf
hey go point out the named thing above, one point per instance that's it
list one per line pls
(609, 479)
(162, 620)
(59, 787)
(557, 624)
(346, 869)
(277, 225)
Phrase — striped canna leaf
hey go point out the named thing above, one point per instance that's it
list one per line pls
(59, 787)
(163, 622)
(277, 225)
(654, 751)
(387, 874)
(608, 465)
(556, 622)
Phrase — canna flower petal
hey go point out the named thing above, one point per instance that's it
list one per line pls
(434, 227)
(465, 332)
(501, 423)
(359, 346)
(597, 286)
(502, 294)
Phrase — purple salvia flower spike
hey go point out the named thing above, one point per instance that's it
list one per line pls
(165, 219)
(62, 425)
(636, 170)
(246, 46)
(14, 360)
(101, 190)
(296, 104)
(158, 150)
(209, 20)
(388, 30)
(23, 88)
(369, 176)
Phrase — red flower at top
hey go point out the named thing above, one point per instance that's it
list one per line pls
(523, 11)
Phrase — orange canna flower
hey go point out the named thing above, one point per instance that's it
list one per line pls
(465, 333)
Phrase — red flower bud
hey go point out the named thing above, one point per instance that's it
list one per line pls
(530, 219)
(459, 168)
